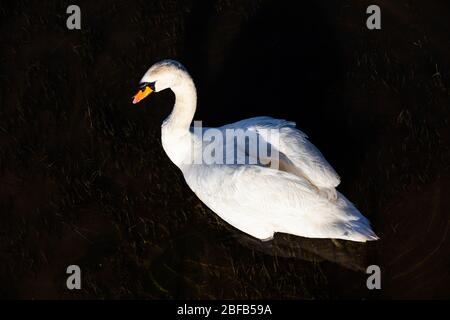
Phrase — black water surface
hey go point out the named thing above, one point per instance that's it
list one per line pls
(84, 179)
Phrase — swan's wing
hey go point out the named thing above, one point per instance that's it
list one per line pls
(261, 201)
(297, 154)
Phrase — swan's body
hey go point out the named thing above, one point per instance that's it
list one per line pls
(297, 198)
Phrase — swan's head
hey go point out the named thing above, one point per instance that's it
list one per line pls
(162, 75)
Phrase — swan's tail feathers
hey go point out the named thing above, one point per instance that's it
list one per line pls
(357, 227)
(360, 233)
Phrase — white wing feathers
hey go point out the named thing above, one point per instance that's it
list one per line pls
(299, 198)
(297, 154)
(262, 201)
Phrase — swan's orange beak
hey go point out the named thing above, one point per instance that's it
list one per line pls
(142, 93)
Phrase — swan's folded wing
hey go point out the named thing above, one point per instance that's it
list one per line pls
(251, 198)
(261, 201)
(297, 154)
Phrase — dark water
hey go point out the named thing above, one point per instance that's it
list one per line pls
(84, 179)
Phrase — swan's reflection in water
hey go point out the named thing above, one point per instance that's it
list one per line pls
(348, 254)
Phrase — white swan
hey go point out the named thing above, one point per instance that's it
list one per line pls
(298, 198)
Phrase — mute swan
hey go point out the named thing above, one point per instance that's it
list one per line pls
(297, 198)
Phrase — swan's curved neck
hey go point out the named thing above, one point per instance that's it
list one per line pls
(185, 104)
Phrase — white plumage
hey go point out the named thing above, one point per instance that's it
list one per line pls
(297, 198)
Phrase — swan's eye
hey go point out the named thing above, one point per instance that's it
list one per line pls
(147, 84)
